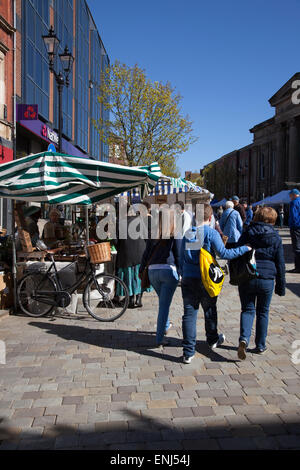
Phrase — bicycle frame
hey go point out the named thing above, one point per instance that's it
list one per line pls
(45, 296)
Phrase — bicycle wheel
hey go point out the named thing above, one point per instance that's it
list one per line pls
(28, 286)
(99, 297)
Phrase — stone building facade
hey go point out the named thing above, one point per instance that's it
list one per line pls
(272, 162)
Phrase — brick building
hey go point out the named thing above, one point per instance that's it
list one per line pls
(7, 31)
(271, 162)
(6, 79)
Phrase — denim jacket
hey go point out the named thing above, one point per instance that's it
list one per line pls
(208, 238)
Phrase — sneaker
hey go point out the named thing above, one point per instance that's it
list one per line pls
(259, 350)
(188, 360)
(219, 342)
(242, 350)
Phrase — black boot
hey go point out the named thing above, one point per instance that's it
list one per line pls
(131, 302)
(138, 301)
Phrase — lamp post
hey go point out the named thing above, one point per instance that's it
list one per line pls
(52, 42)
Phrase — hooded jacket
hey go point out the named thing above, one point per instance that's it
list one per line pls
(267, 243)
(208, 238)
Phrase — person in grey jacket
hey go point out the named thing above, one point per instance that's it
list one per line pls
(231, 224)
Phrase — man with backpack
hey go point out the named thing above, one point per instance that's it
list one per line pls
(193, 289)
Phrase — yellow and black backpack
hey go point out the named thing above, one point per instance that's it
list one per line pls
(211, 274)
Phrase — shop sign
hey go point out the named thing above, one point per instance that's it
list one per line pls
(49, 134)
(27, 112)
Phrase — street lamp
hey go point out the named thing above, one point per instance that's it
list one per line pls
(52, 42)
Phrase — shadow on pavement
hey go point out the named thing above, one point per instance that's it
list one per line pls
(140, 432)
(141, 342)
(294, 287)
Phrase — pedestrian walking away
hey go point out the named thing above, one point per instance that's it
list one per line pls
(256, 294)
(294, 224)
(231, 224)
(238, 207)
(162, 256)
(193, 290)
(248, 212)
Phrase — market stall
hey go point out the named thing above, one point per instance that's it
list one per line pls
(57, 178)
(171, 190)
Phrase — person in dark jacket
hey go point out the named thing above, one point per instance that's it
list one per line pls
(294, 224)
(162, 257)
(256, 295)
(238, 207)
(130, 252)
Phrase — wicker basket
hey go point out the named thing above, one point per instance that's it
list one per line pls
(99, 253)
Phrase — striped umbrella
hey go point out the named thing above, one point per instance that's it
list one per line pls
(57, 178)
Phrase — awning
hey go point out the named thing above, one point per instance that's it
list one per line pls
(283, 197)
(262, 202)
(220, 203)
(64, 179)
(167, 185)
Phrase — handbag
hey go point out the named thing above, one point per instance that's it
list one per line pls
(242, 269)
(145, 282)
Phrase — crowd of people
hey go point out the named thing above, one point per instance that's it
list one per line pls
(228, 234)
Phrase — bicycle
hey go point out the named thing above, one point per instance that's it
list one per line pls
(38, 293)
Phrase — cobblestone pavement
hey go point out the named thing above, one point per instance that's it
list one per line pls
(72, 382)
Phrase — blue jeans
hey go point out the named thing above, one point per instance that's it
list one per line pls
(164, 282)
(194, 294)
(255, 298)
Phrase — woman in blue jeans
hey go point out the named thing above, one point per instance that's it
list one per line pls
(162, 256)
(256, 294)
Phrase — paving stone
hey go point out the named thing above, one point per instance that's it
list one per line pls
(162, 404)
(28, 412)
(288, 442)
(237, 444)
(73, 400)
(201, 444)
(203, 411)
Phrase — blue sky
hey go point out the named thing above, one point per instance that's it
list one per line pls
(225, 57)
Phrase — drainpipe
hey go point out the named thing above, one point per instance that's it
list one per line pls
(14, 253)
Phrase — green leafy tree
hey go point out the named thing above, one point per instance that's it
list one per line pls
(145, 116)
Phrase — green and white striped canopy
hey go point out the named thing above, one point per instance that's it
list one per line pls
(57, 178)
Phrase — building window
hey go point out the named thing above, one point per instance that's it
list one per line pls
(273, 163)
(64, 30)
(36, 72)
(262, 166)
